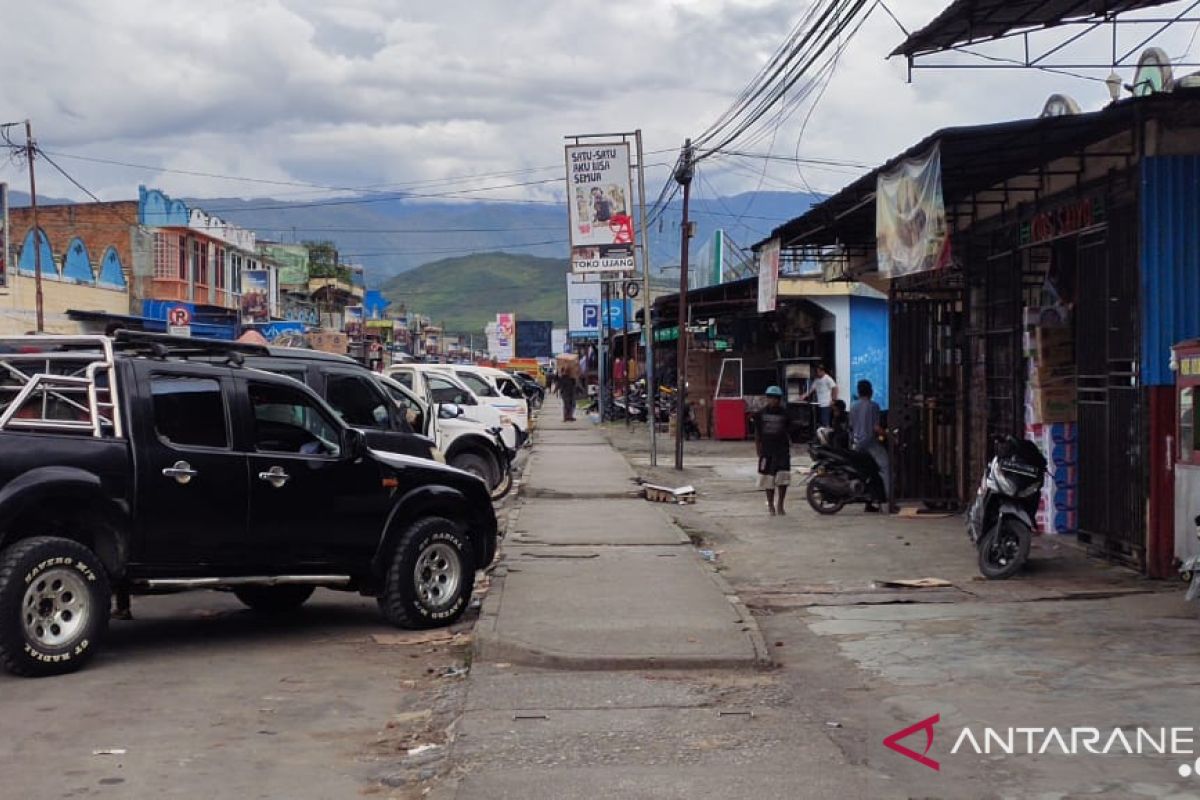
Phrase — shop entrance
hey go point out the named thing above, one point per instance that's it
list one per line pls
(1112, 478)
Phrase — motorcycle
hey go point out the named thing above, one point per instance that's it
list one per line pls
(1000, 521)
(841, 476)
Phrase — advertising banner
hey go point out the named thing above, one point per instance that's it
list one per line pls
(910, 217)
(506, 336)
(534, 339)
(353, 321)
(583, 307)
(256, 295)
(768, 276)
(3, 235)
(600, 207)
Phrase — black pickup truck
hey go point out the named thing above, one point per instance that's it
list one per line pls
(140, 465)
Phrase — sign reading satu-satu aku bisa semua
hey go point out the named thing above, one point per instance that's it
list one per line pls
(600, 207)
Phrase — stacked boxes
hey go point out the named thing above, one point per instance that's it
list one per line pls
(1050, 414)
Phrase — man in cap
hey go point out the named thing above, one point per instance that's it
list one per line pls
(774, 449)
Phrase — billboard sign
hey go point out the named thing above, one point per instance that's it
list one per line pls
(583, 307)
(600, 207)
(256, 295)
(506, 336)
(768, 275)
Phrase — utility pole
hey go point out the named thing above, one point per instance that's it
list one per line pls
(647, 304)
(37, 232)
(684, 171)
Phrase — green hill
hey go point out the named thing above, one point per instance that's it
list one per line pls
(468, 291)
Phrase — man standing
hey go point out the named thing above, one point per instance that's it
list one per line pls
(866, 427)
(774, 450)
(826, 390)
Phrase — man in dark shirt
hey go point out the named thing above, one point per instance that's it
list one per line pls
(774, 449)
(865, 428)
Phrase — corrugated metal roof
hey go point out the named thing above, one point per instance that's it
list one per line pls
(969, 21)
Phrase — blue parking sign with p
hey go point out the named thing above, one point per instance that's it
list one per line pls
(591, 315)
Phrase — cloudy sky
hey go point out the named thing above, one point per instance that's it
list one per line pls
(391, 93)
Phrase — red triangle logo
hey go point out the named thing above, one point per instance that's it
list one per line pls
(893, 742)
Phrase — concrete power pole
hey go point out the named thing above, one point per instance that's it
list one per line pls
(37, 232)
(684, 172)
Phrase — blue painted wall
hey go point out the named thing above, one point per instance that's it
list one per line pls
(26, 265)
(869, 347)
(111, 273)
(1170, 255)
(77, 265)
(157, 209)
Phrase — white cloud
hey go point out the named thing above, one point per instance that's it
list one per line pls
(354, 92)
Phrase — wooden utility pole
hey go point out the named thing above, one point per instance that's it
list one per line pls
(37, 232)
(684, 171)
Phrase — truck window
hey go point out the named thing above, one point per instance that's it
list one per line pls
(288, 421)
(509, 388)
(446, 392)
(357, 402)
(412, 410)
(189, 412)
(477, 384)
(403, 377)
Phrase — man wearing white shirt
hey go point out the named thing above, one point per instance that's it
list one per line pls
(826, 391)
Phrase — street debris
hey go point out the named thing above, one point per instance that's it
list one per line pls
(110, 751)
(431, 637)
(708, 555)
(411, 717)
(424, 748)
(833, 724)
(915, 583)
(665, 494)
(454, 672)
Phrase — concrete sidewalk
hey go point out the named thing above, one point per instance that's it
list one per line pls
(595, 578)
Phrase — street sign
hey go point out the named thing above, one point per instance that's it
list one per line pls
(179, 321)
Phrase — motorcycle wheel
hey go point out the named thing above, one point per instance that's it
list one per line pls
(1003, 550)
(820, 503)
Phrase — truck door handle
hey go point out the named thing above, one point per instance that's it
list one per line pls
(275, 476)
(181, 471)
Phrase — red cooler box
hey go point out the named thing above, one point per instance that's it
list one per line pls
(729, 418)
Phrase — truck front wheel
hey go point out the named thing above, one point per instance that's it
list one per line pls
(54, 606)
(431, 575)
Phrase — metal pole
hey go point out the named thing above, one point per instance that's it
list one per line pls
(647, 303)
(625, 343)
(603, 373)
(37, 232)
(683, 175)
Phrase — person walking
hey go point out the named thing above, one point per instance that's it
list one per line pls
(566, 390)
(826, 390)
(866, 427)
(774, 448)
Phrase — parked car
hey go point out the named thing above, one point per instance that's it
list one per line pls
(358, 396)
(534, 392)
(467, 444)
(140, 465)
(497, 389)
(441, 386)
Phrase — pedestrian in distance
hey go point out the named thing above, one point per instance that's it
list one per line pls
(774, 448)
(566, 389)
(826, 390)
(866, 430)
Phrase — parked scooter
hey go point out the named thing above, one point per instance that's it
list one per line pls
(841, 476)
(1000, 521)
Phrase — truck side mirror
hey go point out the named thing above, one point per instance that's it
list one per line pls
(356, 444)
(450, 411)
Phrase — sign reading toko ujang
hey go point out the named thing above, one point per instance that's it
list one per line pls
(600, 207)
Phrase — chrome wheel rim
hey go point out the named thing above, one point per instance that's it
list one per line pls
(437, 575)
(55, 609)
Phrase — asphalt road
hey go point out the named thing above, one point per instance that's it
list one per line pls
(199, 697)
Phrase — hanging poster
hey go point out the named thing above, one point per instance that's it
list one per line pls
(599, 207)
(506, 336)
(768, 275)
(910, 217)
(256, 295)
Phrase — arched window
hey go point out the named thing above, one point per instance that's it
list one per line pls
(77, 264)
(112, 274)
(26, 264)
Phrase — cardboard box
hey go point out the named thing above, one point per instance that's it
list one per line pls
(329, 342)
(1046, 374)
(1051, 405)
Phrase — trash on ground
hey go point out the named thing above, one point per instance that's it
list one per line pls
(915, 583)
(666, 494)
(708, 555)
(110, 751)
(423, 748)
(834, 724)
(434, 637)
(454, 672)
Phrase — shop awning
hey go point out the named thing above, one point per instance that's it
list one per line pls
(977, 158)
(967, 22)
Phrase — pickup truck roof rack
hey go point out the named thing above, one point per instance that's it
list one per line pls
(59, 383)
(161, 345)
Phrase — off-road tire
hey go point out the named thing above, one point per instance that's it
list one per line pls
(988, 567)
(401, 600)
(477, 465)
(819, 502)
(273, 599)
(24, 589)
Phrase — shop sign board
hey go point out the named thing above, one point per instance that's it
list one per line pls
(1063, 220)
(599, 207)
